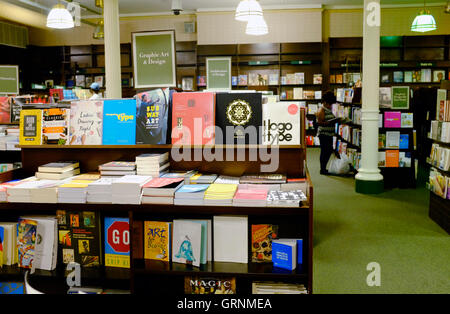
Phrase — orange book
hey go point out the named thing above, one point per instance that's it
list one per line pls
(392, 158)
(193, 118)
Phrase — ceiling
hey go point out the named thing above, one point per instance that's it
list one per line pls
(139, 7)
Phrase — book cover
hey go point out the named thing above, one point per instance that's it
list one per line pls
(99, 79)
(408, 77)
(404, 141)
(55, 126)
(398, 76)
(407, 120)
(438, 76)
(284, 254)
(16, 105)
(209, 285)
(392, 158)
(339, 78)
(262, 236)
(119, 122)
(234, 81)
(193, 118)
(239, 116)
(281, 123)
(26, 242)
(5, 110)
(392, 119)
(273, 79)
(400, 97)
(30, 127)
(385, 97)
(392, 139)
(117, 242)
(187, 242)
(201, 80)
(79, 235)
(86, 122)
(381, 140)
(152, 116)
(299, 78)
(57, 94)
(243, 80)
(317, 79)
(230, 237)
(157, 240)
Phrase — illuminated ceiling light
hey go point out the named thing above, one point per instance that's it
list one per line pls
(424, 22)
(257, 26)
(99, 32)
(60, 18)
(247, 9)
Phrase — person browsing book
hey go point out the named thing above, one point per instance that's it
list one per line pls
(326, 121)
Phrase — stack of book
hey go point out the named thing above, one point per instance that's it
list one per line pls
(250, 197)
(127, 189)
(74, 191)
(58, 170)
(21, 193)
(285, 198)
(190, 194)
(227, 180)
(152, 164)
(263, 178)
(220, 194)
(117, 169)
(200, 178)
(160, 190)
(47, 191)
(4, 190)
(100, 191)
(277, 288)
(186, 175)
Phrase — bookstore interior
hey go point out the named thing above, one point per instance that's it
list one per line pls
(183, 143)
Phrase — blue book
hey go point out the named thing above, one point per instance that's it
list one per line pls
(404, 141)
(284, 253)
(192, 188)
(119, 122)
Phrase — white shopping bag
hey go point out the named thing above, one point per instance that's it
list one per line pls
(337, 165)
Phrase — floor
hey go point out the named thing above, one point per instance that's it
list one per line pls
(392, 229)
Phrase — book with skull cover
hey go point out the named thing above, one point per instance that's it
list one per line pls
(239, 117)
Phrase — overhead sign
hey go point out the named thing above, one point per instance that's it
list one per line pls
(9, 79)
(218, 73)
(154, 59)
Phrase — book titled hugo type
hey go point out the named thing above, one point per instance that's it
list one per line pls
(119, 122)
(152, 116)
(117, 242)
(30, 127)
(86, 122)
(239, 117)
(55, 126)
(281, 123)
(157, 240)
(193, 118)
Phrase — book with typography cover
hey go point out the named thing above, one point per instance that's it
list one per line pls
(239, 116)
(152, 116)
(119, 122)
(55, 126)
(86, 122)
(5, 110)
(30, 127)
(209, 285)
(193, 118)
(281, 123)
(79, 235)
(262, 236)
(158, 240)
(117, 242)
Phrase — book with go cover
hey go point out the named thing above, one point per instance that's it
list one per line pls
(117, 242)
(158, 240)
(30, 127)
(86, 122)
(193, 118)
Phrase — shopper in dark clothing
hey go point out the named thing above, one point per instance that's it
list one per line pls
(326, 121)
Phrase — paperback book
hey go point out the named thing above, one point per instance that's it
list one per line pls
(187, 242)
(30, 127)
(262, 236)
(86, 122)
(209, 285)
(117, 242)
(55, 126)
(158, 240)
(281, 123)
(119, 122)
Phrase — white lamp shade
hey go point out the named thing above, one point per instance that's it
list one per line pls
(424, 22)
(257, 26)
(247, 9)
(59, 17)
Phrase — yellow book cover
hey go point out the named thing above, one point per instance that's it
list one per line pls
(157, 240)
(76, 184)
(30, 127)
(220, 191)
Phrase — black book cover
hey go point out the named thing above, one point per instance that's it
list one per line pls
(79, 234)
(242, 114)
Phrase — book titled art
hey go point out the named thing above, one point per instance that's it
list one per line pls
(119, 122)
(86, 122)
(30, 127)
(152, 116)
(193, 118)
(117, 242)
(55, 126)
(157, 240)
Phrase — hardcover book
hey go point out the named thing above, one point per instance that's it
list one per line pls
(193, 118)
(239, 116)
(55, 126)
(117, 242)
(79, 234)
(86, 122)
(5, 110)
(281, 123)
(262, 236)
(157, 240)
(152, 116)
(119, 122)
(209, 285)
(392, 119)
(30, 127)
(187, 242)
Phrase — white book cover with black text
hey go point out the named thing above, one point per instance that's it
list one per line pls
(281, 123)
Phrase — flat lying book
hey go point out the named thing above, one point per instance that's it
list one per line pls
(57, 176)
(162, 186)
(59, 166)
(118, 166)
(200, 178)
(263, 178)
(285, 198)
(250, 198)
(220, 194)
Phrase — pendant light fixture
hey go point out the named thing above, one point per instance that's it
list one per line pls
(424, 22)
(247, 9)
(59, 17)
(257, 26)
(99, 32)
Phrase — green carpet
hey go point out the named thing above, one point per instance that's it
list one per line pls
(392, 229)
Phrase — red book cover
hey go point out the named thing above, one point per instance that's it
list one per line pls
(161, 182)
(57, 94)
(5, 111)
(193, 118)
